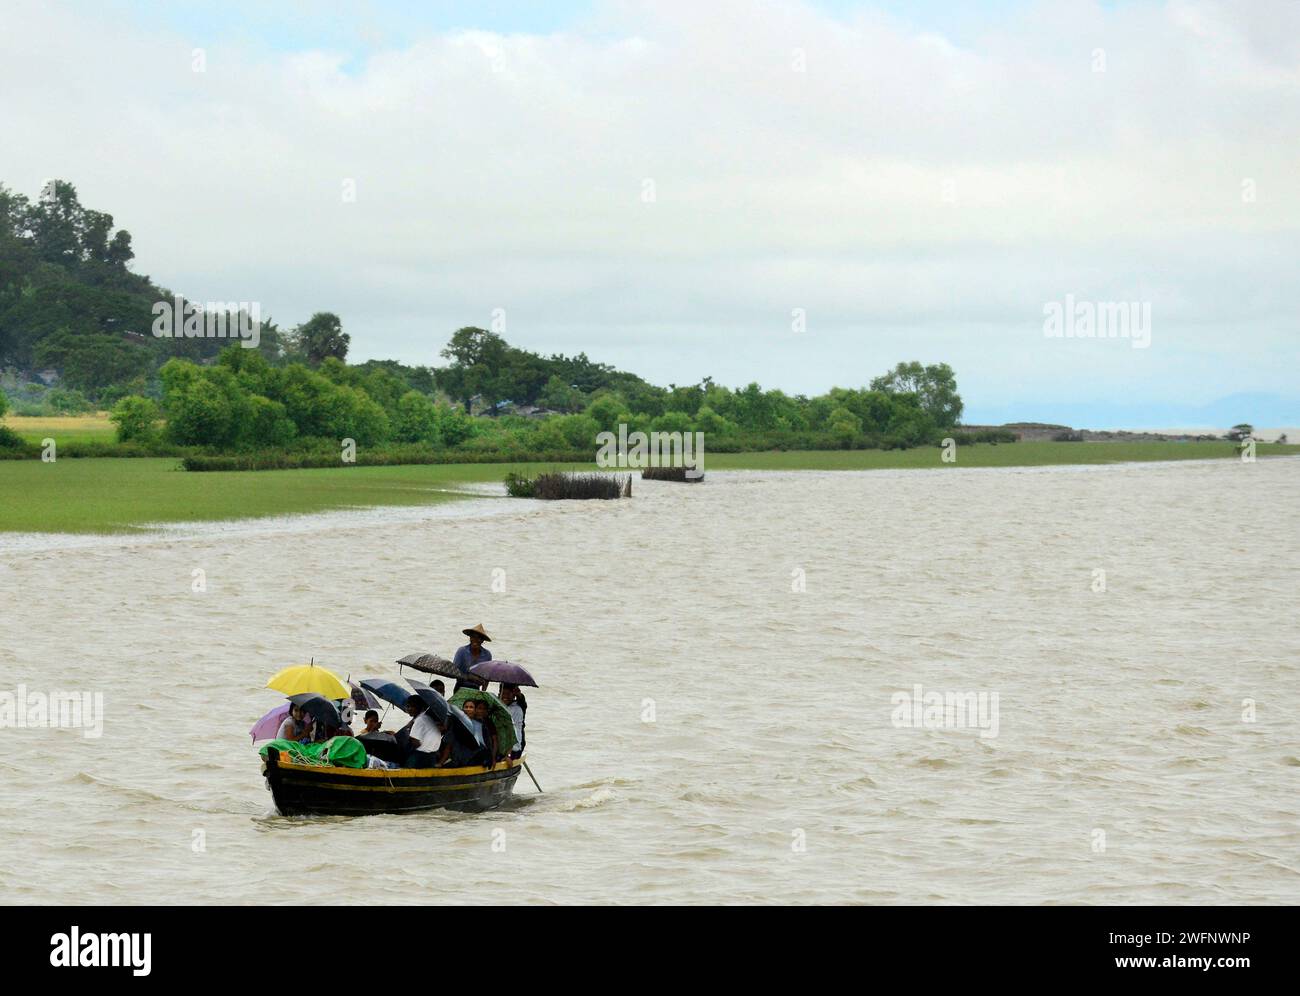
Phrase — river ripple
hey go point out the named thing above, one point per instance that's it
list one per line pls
(1122, 770)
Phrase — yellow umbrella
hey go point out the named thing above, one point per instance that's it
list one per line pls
(308, 678)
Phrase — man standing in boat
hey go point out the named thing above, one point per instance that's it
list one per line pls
(472, 653)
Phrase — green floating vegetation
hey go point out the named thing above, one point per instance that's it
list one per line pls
(671, 474)
(561, 485)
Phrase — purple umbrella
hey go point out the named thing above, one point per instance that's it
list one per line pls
(268, 727)
(504, 672)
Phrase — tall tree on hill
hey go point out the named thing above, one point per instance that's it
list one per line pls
(477, 358)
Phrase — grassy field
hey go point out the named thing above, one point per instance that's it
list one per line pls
(114, 495)
(1035, 454)
(65, 429)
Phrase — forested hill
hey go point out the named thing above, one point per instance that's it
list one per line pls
(73, 313)
(70, 303)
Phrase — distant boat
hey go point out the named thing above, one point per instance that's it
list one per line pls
(315, 790)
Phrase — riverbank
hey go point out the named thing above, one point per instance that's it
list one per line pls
(117, 495)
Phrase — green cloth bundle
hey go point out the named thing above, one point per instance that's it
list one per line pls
(341, 752)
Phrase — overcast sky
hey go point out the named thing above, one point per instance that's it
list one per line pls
(663, 184)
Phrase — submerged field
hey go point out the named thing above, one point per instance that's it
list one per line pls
(114, 494)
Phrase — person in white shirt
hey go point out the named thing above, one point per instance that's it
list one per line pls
(517, 706)
(425, 739)
(297, 724)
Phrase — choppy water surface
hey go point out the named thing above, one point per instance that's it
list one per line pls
(1122, 770)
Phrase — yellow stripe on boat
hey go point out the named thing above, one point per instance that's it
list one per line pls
(390, 773)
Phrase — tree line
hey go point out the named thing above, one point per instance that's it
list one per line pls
(69, 301)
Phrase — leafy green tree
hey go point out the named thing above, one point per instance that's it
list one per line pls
(935, 386)
(136, 419)
(4, 404)
(609, 410)
(522, 377)
(477, 356)
(672, 422)
(684, 399)
(711, 423)
(549, 436)
(1240, 431)
(416, 420)
(91, 362)
(200, 414)
(844, 425)
(67, 401)
(579, 430)
(321, 337)
(561, 397)
(454, 426)
(470, 347)
(584, 374)
(266, 425)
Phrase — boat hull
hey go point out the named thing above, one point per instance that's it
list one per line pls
(307, 790)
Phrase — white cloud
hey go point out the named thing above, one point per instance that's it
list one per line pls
(917, 197)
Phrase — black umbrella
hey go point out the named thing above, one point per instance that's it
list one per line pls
(383, 746)
(434, 664)
(437, 705)
(319, 707)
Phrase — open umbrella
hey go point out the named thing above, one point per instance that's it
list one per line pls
(363, 698)
(383, 746)
(434, 664)
(319, 707)
(308, 678)
(460, 725)
(503, 671)
(268, 727)
(389, 691)
(498, 714)
(463, 727)
(436, 704)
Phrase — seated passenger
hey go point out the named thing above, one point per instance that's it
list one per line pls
(478, 712)
(460, 754)
(424, 740)
(297, 725)
(432, 745)
(372, 723)
(517, 705)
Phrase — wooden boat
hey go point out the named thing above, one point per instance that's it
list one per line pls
(308, 789)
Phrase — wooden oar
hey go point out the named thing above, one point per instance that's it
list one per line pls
(532, 776)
